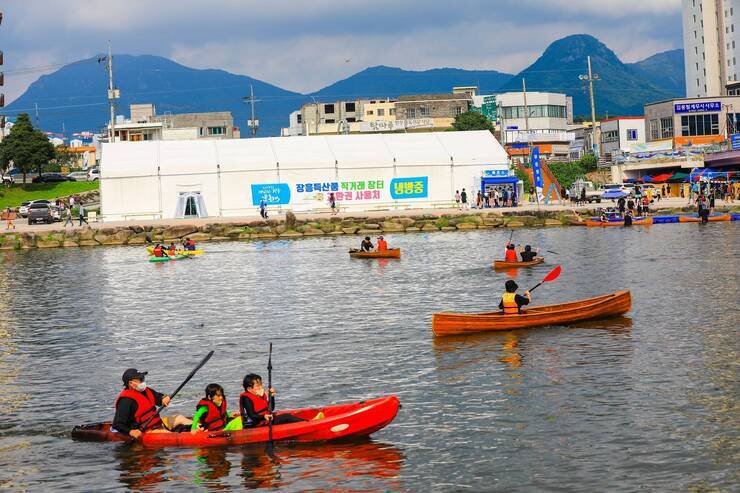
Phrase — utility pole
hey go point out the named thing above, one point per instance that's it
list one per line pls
(253, 124)
(591, 77)
(113, 94)
(36, 105)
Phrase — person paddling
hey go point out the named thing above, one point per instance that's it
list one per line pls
(511, 303)
(159, 251)
(211, 413)
(527, 254)
(136, 408)
(382, 244)
(254, 405)
(366, 245)
(510, 253)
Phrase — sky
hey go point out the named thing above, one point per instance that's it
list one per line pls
(306, 45)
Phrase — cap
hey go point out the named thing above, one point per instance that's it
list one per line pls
(132, 374)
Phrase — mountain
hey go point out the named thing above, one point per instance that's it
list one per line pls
(664, 70)
(75, 96)
(382, 81)
(621, 90)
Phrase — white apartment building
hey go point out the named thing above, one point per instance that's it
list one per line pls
(711, 46)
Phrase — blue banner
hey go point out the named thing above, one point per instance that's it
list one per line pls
(495, 172)
(273, 193)
(735, 141)
(536, 169)
(410, 188)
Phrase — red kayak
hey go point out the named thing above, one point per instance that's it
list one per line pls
(357, 419)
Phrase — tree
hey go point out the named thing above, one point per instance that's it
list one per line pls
(25, 147)
(472, 121)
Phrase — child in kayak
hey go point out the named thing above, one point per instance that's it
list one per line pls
(172, 249)
(254, 405)
(210, 412)
(511, 253)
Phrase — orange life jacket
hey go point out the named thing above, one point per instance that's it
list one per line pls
(261, 406)
(216, 418)
(509, 301)
(146, 407)
(382, 245)
(511, 255)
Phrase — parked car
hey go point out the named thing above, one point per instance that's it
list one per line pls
(40, 212)
(592, 194)
(23, 209)
(93, 174)
(51, 178)
(56, 212)
(78, 175)
(6, 179)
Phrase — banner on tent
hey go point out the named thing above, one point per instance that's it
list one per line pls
(272, 193)
(410, 188)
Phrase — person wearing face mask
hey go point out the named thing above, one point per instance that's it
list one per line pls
(254, 405)
(136, 408)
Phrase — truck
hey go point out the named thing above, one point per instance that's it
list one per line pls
(592, 193)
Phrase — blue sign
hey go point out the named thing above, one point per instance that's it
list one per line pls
(512, 127)
(536, 169)
(697, 107)
(735, 141)
(495, 172)
(272, 193)
(410, 188)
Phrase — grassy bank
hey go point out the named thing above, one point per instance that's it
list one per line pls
(13, 196)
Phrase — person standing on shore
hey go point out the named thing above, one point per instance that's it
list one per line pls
(81, 214)
(333, 203)
(457, 199)
(68, 216)
(263, 208)
(464, 199)
(9, 216)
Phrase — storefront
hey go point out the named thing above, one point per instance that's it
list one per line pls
(169, 179)
(500, 180)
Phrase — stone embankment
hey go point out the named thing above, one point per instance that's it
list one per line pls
(291, 227)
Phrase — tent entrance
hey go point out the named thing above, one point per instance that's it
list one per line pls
(190, 204)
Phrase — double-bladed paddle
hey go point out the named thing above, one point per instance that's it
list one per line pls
(178, 389)
(554, 274)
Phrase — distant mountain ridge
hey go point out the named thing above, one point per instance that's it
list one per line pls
(74, 97)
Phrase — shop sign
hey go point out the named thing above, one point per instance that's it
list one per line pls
(495, 173)
(697, 107)
(735, 141)
(410, 188)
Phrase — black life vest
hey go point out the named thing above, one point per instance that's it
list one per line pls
(146, 407)
(216, 418)
(261, 406)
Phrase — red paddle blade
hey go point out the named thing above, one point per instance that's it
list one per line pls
(554, 274)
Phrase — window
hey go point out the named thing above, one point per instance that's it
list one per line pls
(299, 119)
(349, 107)
(631, 134)
(329, 109)
(654, 130)
(424, 111)
(370, 112)
(392, 111)
(381, 112)
(351, 119)
(330, 120)
(457, 111)
(697, 125)
(216, 130)
(610, 136)
(666, 128)
(411, 113)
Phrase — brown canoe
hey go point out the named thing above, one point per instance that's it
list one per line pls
(503, 264)
(697, 219)
(390, 253)
(444, 324)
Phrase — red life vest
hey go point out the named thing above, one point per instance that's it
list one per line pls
(511, 255)
(261, 406)
(158, 251)
(382, 246)
(216, 418)
(146, 406)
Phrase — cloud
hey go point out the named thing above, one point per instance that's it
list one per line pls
(304, 45)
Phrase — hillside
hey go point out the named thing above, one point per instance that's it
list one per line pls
(664, 70)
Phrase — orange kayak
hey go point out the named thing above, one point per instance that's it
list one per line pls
(697, 219)
(444, 324)
(390, 253)
(644, 221)
(357, 419)
(503, 264)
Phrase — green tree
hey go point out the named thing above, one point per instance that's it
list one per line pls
(25, 147)
(472, 121)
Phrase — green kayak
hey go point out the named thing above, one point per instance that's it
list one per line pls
(167, 259)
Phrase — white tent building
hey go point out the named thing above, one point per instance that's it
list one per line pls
(173, 179)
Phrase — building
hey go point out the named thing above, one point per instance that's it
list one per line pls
(168, 179)
(711, 46)
(621, 135)
(546, 124)
(431, 112)
(691, 122)
(144, 125)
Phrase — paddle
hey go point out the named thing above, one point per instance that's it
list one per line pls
(271, 399)
(178, 389)
(554, 274)
(550, 251)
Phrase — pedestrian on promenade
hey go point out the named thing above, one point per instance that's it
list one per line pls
(68, 217)
(457, 199)
(72, 202)
(263, 208)
(478, 201)
(583, 196)
(464, 199)
(9, 216)
(639, 208)
(333, 203)
(81, 214)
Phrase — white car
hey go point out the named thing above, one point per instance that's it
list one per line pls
(23, 209)
(93, 174)
(79, 175)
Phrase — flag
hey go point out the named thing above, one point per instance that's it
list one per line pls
(537, 172)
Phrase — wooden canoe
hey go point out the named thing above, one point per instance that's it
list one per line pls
(642, 221)
(390, 253)
(503, 264)
(697, 219)
(444, 324)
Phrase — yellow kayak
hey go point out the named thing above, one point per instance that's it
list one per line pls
(150, 250)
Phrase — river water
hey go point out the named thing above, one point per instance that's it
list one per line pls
(643, 402)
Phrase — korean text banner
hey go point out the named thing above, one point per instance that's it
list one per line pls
(410, 188)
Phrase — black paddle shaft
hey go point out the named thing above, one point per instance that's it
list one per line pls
(178, 389)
